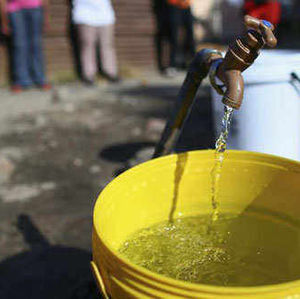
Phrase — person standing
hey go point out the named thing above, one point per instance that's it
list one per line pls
(180, 15)
(24, 20)
(95, 21)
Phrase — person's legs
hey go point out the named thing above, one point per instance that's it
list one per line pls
(161, 36)
(189, 34)
(21, 74)
(158, 42)
(107, 51)
(174, 24)
(88, 40)
(34, 20)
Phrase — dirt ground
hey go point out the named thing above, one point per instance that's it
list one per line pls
(58, 150)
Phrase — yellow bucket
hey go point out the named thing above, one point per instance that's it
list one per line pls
(144, 196)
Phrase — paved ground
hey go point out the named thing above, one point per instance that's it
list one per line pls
(57, 152)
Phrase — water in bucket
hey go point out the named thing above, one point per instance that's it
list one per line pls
(239, 252)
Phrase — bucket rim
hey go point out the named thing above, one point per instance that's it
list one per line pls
(232, 153)
(289, 164)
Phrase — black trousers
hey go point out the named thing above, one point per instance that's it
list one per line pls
(180, 18)
(162, 31)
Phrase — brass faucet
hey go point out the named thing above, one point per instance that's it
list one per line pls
(240, 55)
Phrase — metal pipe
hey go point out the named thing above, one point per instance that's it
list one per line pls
(198, 70)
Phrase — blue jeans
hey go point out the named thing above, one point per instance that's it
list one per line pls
(28, 62)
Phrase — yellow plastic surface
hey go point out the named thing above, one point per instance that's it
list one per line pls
(144, 196)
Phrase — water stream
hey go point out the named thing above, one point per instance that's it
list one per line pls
(221, 145)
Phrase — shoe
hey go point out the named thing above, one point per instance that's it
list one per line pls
(171, 72)
(46, 87)
(16, 88)
(88, 82)
(112, 79)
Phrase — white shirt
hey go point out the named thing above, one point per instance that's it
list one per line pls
(93, 12)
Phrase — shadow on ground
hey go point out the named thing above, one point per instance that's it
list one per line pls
(159, 92)
(46, 271)
(124, 153)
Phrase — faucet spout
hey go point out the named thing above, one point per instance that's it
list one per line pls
(234, 93)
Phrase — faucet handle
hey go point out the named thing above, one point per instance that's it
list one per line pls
(240, 55)
(264, 27)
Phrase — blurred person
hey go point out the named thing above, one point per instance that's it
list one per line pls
(269, 10)
(232, 19)
(95, 21)
(24, 20)
(296, 15)
(162, 34)
(180, 15)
